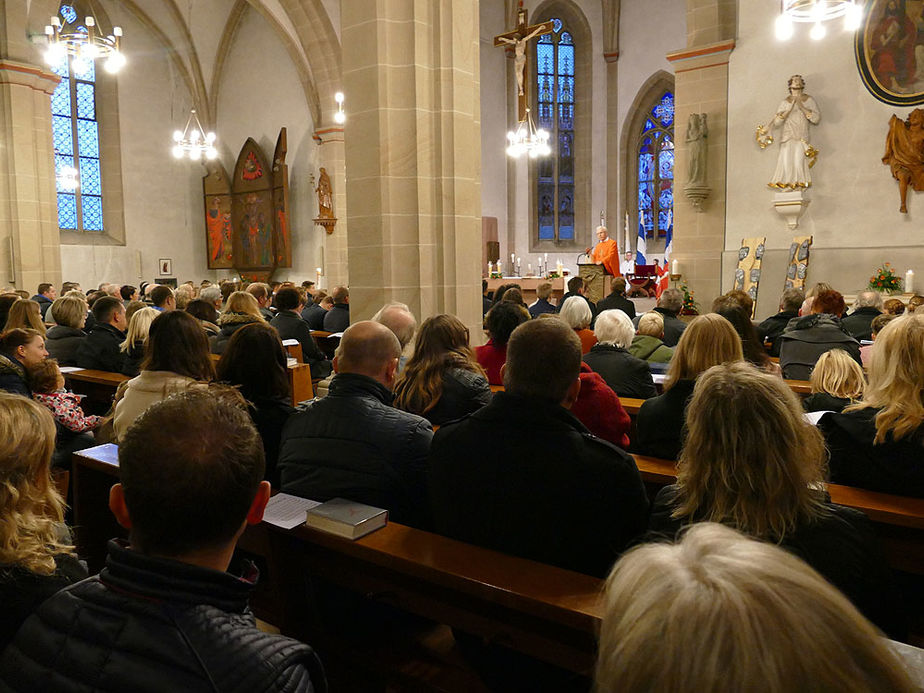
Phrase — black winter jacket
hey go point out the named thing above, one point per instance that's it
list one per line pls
(152, 624)
(807, 338)
(13, 376)
(525, 477)
(463, 393)
(62, 342)
(661, 422)
(290, 326)
(228, 324)
(626, 375)
(860, 322)
(619, 302)
(774, 326)
(314, 316)
(337, 319)
(354, 444)
(101, 349)
(131, 365)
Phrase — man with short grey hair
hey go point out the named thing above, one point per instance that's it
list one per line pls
(859, 323)
(212, 295)
(398, 318)
(669, 306)
(496, 475)
(770, 329)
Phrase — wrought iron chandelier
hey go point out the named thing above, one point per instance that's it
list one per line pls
(193, 141)
(84, 43)
(816, 12)
(528, 139)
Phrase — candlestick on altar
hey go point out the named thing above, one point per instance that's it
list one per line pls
(529, 269)
(909, 282)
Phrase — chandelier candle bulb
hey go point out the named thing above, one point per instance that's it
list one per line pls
(909, 282)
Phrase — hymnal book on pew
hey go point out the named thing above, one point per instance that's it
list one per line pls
(346, 518)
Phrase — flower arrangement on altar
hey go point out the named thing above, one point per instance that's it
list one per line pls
(885, 280)
(690, 306)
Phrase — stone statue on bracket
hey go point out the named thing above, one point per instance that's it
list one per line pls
(794, 116)
(325, 196)
(904, 153)
(696, 189)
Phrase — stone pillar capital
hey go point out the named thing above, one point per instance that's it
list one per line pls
(27, 75)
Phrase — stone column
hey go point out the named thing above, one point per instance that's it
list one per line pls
(29, 238)
(413, 156)
(331, 157)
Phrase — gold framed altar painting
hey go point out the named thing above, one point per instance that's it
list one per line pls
(889, 48)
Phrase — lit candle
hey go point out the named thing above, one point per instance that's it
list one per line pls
(675, 267)
(512, 258)
(500, 268)
(489, 268)
(909, 282)
(529, 269)
(318, 270)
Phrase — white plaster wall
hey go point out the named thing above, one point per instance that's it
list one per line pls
(494, 125)
(853, 215)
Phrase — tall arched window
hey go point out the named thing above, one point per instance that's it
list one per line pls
(656, 168)
(75, 132)
(555, 102)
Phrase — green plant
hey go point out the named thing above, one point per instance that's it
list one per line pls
(690, 306)
(885, 279)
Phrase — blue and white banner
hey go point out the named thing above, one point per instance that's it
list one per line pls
(641, 249)
(669, 245)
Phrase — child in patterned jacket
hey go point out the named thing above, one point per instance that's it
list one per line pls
(47, 384)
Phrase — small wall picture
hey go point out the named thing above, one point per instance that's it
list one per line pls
(165, 266)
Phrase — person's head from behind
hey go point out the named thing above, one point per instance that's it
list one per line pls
(878, 323)
(750, 341)
(544, 362)
(128, 293)
(202, 310)
(183, 294)
(26, 314)
(442, 338)
(708, 341)
(288, 299)
(371, 349)
(893, 307)
(31, 509)
(162, 297)
(262, 293)
(24, 345)
(721, 611)
(830, 302)
(791, 300)
(543, 291)
(45, 377)
(139, 327)
(177, 343)
(838, 375)
(576, 313)
(734, 299)
(618, 286)
(671, 301)
(651, 324)
(69, 311)
(341, 295)
(243, 303)
(227, 288)
(190, 484)
(869, 299)
(914, 302)
(398, 318)
(502, 320)
(255, 361)
(515, 296)
(212, 295)
(108, 310)
(576, 285)
(615, 328)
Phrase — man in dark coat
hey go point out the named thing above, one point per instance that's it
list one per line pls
(542, 305)
(524, 476)
(314, 314)
(45, 297)
(165, 613)
(337, 318)
(617, 299)
(669, 306)
(101, 350)
(773, 327)
(577, 287)
(859, 322)
(353, 443)
(808, 337)
(289, 325)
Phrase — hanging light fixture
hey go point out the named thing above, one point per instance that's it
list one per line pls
(339, 116)
(528, 139)
(68, 178)
(816, 12)
(193, 141)
(83, 45)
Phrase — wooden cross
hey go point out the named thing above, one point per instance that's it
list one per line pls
(518, 38)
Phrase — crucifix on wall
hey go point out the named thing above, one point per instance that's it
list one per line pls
(518, 38)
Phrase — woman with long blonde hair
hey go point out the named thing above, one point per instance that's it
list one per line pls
(25, 314)
(36, 557)
(708, 341)
(136, 339)
(878, 443)
(837, 381)
(751, 461)
(442, 381)
(240, 309)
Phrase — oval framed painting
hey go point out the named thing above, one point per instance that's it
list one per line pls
(889, 48)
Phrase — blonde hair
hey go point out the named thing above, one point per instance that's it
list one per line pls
(576, 313)
(183, 294)
(837, 374)
(896, 378)
(728, 472)
(709, 340)
(243, 302)
(651, 324)
(721, 612)
(69, 311)
(139, 327)
(31, 508)
(25, 313)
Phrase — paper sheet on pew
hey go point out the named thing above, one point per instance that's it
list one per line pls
(813, 416)
(658, 378)
(290, 342)
(69, 369)
(286, 511)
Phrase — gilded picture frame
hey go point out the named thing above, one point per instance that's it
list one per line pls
(889, 49)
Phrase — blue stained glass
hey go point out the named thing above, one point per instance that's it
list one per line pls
(92, 207)
(90, 182)
(648, 126)
(86, 107)
(87, 138)
(60, 162)
(666, 198)
(644, 196)
(68, 14)
(666, 164)
(84, 70)
(566, 60)
(645, 166)
(67, 211)
(566, 39)
(556, 25)
(545, 38)
(61, 135)
(566, 232)
(61, 99)
(60, 68)
(664, 111)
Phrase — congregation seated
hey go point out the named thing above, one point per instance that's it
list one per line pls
(241, 309)
(169, 611)
(398, 318)
(265, 299)
(73, 427)
(314, 314)
(669, 306)
(255, 362)
(212, 296)
(577, 287)
(102, 348)
(136, 338)
(289, 325)
(647, 343)
(25, 314)
(626, 375)
(808, 337)
(62, 340)
(752, 462)
(617, 299)
(576, 312)
(751, 346)
(710, 340)
(44, 297)
(36, 555)
(837, 382)
(337, 319)
(542, 305)
(353, 443)
(514, 295)
(205, 312)
(894, 306)
(6, 302)
(769, 330)
(176, 359)
(866, 350)
(20, 349)
(599, 409)
(500, 322)
(442, 380)
(877, 443)
(719, 611)
(129, 293)
(163, 299)
(859, 323)
(525, 477)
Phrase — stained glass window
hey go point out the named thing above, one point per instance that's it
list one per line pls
(555, 105)
(75, 133)
(656, 168)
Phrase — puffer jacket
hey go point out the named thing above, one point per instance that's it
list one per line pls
(62, 342)
(651, 349)
(463, 392)
(228, 324)
(153, 624)
(354, 444)
(13, 376)
(101, 350)
(807, 338)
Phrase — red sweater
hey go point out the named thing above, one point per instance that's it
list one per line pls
(599, 408)
(492, 357)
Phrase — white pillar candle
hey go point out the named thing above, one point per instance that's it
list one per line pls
(909, 282)
(512, 257)
(529, 269)
(500, 268)
(675, 267)
(489, 269)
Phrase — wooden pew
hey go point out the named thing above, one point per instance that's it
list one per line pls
(326, 342)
